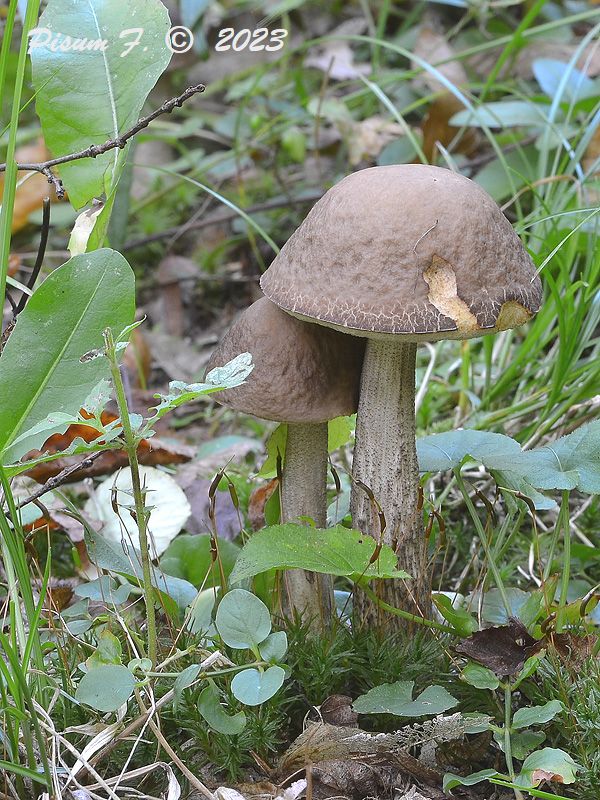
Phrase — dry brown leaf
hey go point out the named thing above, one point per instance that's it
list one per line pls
(257, 502)
(436, 128)
(367, 139)
(151, 453)
(433, 47)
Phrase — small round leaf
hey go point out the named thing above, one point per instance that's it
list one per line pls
(242, 619)
(214, 714)
(252, 687)
(106, 687)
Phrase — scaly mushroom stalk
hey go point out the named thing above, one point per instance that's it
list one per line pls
(385, 459)
(304, 494)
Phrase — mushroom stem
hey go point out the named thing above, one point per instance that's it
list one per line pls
(385, 459)
(304, 494)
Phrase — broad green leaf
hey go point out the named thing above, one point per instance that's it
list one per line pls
(452, 781)
(493, 609)
(479, 676)
(124, 560)
(503, 114)
(274, 646)
(521, 742)
(189, 557)
(552, 74)
(106, 688)
(547, 764)
(396, 698)
(242, 619)
(334, 551)
(41, 371)
(105, 589)
(536, 715)
(214, 713)
(252, 687)
(339, 432)
(442, 451)
(464, 623)
(86, 97)
(572, 461)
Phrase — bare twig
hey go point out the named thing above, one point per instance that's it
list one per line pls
(40, 254)
(62, 477)
(95, 150)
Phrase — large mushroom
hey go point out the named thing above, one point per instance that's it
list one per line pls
(304, 375)
(401, 255)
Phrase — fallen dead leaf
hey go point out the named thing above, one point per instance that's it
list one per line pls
(436, 128)
(433, 47)
(503, 649)
(366, 139)
(258, 500)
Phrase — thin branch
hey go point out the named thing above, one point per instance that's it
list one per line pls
(95, 150)
(62, 477)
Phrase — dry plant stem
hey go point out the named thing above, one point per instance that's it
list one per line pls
(131, 445)
(304, 494)
(385, 459)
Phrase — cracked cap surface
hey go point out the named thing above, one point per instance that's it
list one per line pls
(408, 249)
(302, 372)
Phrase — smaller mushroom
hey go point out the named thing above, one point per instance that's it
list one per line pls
(304, 375)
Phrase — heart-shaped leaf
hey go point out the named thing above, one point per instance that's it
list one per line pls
(252, 687)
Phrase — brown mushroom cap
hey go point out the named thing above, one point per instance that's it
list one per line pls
(409, 249)
(302, 373)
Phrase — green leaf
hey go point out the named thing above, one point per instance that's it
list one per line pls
(274, 646)
(547, 764)
(480, 677)
(214, 714)
(106, 688)
(109, 651)
(185, 678)
(452, 781)
(442, 451)
(536, 715)
(570, 462)
(71, 118)
(339, 432)
(334, 551)
(190, 558)
(521, 742)
(464, 623)
(233, 374)
(252, 687)
(552, 74)
(243, 621)
(503, 114)
(63, 320)
(125, 560)
(396, 698)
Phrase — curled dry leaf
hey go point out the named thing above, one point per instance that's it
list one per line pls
(436, 128)
(366, 139)
(336, 58)
(503, 649)
(258, 500)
